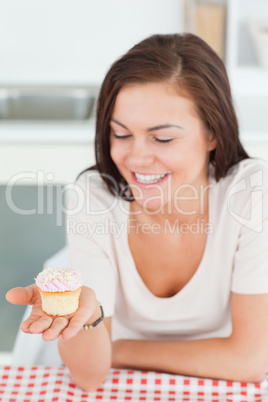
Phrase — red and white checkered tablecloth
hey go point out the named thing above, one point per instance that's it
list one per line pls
(47, 384)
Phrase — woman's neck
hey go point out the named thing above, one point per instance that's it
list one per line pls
(187, 208)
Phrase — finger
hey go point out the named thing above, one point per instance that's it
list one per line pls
(55, 329)
(72, 329)
(39, 326)
(25, 325)
(78, 320)
(21, 295)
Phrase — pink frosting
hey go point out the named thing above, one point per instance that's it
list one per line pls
(58, 280)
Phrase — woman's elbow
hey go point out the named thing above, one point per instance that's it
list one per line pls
(254, 369)
(254, 374)
(89, 382)
(87, 386)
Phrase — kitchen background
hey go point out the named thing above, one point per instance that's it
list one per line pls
(53, 58)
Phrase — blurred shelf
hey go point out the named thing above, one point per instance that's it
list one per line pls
(44, 132)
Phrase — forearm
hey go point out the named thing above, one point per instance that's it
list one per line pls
(211, 358)
(88, 356)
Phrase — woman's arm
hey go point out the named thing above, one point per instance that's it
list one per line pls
(88, 354)
(241, 357)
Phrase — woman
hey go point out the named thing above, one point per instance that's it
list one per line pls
(170, 233)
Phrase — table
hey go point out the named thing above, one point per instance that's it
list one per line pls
(51, 384)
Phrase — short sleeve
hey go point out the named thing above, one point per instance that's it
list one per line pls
(250, 274)
(88, 248)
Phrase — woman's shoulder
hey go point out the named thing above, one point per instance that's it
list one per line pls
(92, 191)
(92, 176)
(244, 188)
(251, 172)
(249, 166)
(92, 184)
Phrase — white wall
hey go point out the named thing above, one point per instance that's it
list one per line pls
(75, 41)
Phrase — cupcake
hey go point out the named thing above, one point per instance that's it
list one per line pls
(60, 289)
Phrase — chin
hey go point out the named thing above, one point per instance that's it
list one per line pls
(152, 207)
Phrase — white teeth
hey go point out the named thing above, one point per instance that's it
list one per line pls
(149, 179)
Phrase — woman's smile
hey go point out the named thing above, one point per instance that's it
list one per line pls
(146, 180)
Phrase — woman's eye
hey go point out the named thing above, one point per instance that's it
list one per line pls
(122, 137)
(163, 140)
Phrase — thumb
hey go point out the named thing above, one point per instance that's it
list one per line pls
(20, 295)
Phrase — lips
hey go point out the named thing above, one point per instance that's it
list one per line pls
(147, 179)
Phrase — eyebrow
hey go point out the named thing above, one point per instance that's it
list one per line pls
(159, 127)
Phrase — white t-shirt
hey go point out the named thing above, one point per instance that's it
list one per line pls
(235, 257)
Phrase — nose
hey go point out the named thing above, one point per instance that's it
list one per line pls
(140, 154)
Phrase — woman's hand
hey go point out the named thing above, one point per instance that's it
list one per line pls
(51, 327)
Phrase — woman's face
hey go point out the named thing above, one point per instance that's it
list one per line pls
(159, 144)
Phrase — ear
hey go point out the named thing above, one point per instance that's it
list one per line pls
(212, 142)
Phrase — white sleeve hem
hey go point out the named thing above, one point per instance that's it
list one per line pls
(250, 286)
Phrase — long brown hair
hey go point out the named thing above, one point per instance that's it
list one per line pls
(188, 63)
